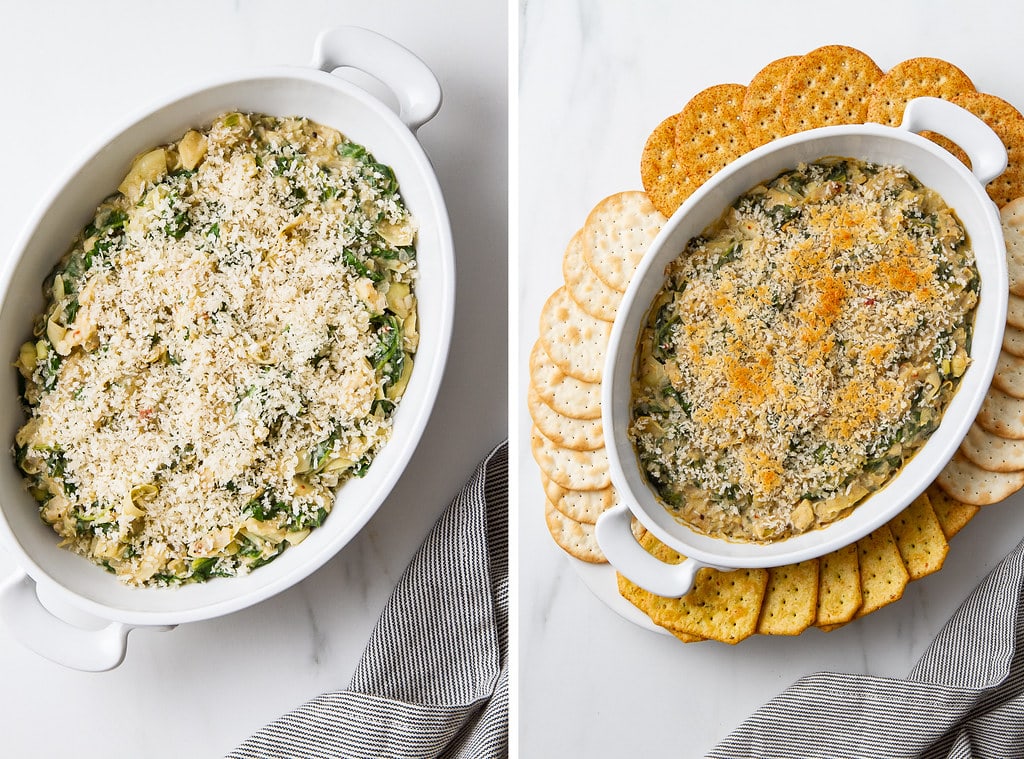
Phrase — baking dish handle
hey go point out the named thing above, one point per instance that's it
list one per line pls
(409, 78)
(623, 552)
(60, 641)
(974, 136)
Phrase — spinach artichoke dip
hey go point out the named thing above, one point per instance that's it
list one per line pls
(802, 349)
(223, 344)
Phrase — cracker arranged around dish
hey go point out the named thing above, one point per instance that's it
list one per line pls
(830, 85)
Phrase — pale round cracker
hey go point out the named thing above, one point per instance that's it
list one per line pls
(829, 85)
(1015, 311)
(582, 505)
(663, 176)
(1013, 341)
(584, 286)
(573, 470)
(1011, 217)
(710, 133)
(993, 452)
(1009, 375)
(577, 434)
(762, 103)
(564, 393)
(969, 483)
(1002, 414)
(1007, 122)
(616, 235)
(575, 538)
(575, 341)
(913, 78)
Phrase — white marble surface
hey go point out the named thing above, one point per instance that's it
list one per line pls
(594, 79)
(68, 72)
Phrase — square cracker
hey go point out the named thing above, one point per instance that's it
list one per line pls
(722, 606)
(790, 599)
(951, 513)
(919, 538)
(839, 590)
(883, 575)
(642, 598)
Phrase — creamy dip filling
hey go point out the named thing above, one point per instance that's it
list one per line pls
(223, 344)
(802, 349)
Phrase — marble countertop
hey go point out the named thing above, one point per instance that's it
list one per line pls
(70, 71)
(593, 80)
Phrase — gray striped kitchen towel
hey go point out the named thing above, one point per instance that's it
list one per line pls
(963, 699)
(433, 680)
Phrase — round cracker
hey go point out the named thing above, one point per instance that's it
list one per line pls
(584, 286)
(829, 85)
(1013, 341)
(992, 452)
(969, 483)
(918, 77)
(1007, 122)
(762, 103)
(575, 538)
(574, 340)
(582, 505)
(710, 133)
(616, 235)
(1011, 218)
(564, 393)
(662, 174)
(1015, 311)
(573, 470)
(577, 434)
(1002, 414)
(1009, 376)
(913, 78)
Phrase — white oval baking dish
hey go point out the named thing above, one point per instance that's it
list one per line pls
(77, 614)
(935, 168)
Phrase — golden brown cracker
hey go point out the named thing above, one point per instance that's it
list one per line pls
(839, 588)
(581, 505)
(722, 606)
(1011, 218)
(883, 575)
(919, 537)
(575, 538)
(710, 133)
(616, 235)
(913, 78)
(969, 483)
(952, 514)
(1009, 374)
(574, 340)
(564, 393)
(577, 434)
(573, 470)
(584, 286)
(790, 603)
(829, 85)
(1002, 414)
(992, 452)
(762, 103)
(1007, 122)
(662, 174)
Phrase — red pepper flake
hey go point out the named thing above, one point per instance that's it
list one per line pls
(145, 413)
(869, 302)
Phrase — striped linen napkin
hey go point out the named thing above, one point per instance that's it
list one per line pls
(963, 699)
(433, 680)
